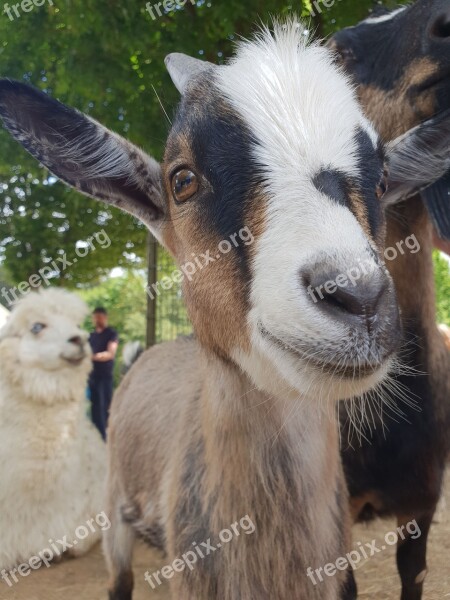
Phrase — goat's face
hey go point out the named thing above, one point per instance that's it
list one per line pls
(401, 61)
(284, 152)
(45, 338)
(271, 171)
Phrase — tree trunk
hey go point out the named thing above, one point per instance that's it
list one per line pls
(152, 262)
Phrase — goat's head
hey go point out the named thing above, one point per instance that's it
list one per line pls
(273, 145)
(43, 347)
(401, 61)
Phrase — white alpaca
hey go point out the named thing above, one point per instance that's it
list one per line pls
(52, 459)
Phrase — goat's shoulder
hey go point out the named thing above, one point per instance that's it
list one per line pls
(163, 370)
(155, 394)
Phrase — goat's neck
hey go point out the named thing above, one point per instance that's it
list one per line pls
(276, 462)
(414, 281)
(259, 444)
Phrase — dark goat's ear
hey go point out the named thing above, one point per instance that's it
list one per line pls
(437, 201)
(83, 153)
(418, 158)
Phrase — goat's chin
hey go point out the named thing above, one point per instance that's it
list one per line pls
(280, 373)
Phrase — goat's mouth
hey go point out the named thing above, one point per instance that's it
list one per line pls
(343, 368)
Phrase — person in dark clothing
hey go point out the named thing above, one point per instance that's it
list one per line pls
(104, 342)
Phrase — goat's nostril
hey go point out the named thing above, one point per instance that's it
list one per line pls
(352, 301)
(343, 299)
(441, 26)
(76, 340)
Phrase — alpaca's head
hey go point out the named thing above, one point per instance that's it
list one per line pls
(42, 345)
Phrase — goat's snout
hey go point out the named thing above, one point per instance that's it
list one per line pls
(440, 26)
(356, 299)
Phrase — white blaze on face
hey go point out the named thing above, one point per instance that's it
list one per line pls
(304, 115)
(384, 18)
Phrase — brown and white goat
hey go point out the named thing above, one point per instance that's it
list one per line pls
(207, 431)
(401, 63)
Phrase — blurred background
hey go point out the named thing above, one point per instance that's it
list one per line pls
(106, 58)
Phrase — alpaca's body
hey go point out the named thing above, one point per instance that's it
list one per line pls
(52, 459)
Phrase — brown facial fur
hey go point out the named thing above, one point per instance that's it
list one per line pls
(359, 209)
(187, 235)
(399, 110)
(187, 238)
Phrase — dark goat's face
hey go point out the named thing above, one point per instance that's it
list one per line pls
(401, 61)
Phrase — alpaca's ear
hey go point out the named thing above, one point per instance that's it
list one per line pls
(418, 158)
(83, 153)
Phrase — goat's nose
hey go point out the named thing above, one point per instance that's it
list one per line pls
(76, 339)
(440, 27)
(346, 298)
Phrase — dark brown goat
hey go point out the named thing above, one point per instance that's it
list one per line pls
(401, 63)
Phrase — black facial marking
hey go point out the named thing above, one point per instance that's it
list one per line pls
(338, 185)
(370, 166)
(334, 184)
(221, 144)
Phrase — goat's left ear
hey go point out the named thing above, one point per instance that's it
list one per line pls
(418, 158)
(83, 153)
(184, 69)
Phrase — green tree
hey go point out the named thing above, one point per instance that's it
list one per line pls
(107, 59)
(442, 279)
(125, 301)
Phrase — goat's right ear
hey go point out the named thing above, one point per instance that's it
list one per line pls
(83, 153)
(418, 158)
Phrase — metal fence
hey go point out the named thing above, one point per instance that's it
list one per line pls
(171, 317)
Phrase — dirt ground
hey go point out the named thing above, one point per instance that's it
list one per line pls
(86, 579)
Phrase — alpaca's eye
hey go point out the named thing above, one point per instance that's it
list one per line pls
(37, 328)
(184, 185)
(382, 187)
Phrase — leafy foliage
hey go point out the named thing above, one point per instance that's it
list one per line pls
(442, 279)
(125, 302)
(107, 59)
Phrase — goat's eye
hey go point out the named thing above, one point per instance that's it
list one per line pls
(184, 185)
(382, 187)
(344, 53)
(37, 328)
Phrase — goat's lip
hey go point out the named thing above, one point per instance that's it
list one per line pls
(360, 370)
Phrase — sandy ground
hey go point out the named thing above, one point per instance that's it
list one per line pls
(86, 579)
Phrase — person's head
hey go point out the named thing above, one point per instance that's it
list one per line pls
(100, 317)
